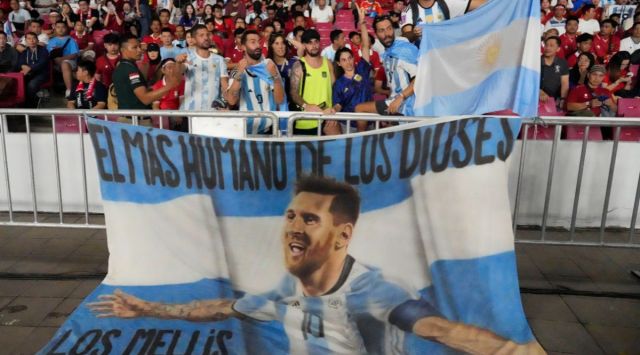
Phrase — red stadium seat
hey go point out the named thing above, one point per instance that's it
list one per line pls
(19, 98)
(629, 108)
(548, 108)
(539, 132)
(630, 134)
(156, 122)
(577, 133)
(69, 124)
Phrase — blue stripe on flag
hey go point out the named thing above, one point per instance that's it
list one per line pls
(482, 292)
(495, 93)
(491, 17)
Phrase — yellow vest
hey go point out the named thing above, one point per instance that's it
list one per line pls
(317, 90)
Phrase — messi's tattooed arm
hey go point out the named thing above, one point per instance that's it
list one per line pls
(123, 305)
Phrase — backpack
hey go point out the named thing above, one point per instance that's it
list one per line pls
(112, 98)
(442, 4)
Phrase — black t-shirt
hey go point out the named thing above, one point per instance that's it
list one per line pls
(126, 78)
(80, 96)
(551, 76)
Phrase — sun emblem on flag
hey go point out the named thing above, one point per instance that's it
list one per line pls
(491, 49)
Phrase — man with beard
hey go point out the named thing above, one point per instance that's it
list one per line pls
(400, 61)
(329, 302)
(311, 83)
(256, 85)
(205, 72)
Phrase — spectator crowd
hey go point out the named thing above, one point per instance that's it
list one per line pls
(323, 56)
(589, 55)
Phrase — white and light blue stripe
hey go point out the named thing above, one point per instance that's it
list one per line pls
(491, 65)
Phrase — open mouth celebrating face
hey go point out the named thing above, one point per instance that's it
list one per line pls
(297, 248)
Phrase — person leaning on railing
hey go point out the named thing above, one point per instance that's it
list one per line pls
(592, 100)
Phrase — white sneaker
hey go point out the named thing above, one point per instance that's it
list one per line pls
(67, 93)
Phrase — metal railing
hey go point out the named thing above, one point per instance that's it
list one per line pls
(136, 117)
(559, 122)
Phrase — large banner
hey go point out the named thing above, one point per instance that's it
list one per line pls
(393, 241)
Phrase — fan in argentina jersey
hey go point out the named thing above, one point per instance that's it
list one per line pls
(256, 85)
(204, 71)
(328, 303)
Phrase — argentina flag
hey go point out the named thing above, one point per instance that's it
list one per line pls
(487, 60)
(395, 241)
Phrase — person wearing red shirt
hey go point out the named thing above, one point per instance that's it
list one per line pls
(165, 15)
(234, 54)
(170, 101)
(584, 41)
(88, 15)
(370, 6)
(83, 38)
(568, 41)
(618, 78)
(605, 44)
(216, 36)
(114, 19)
(219, 24)
(154, 36)
(588, 100)
(106, 63)
(374, 57)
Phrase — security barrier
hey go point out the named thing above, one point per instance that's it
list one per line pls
(540, 212)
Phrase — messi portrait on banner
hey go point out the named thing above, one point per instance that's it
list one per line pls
(392, 242)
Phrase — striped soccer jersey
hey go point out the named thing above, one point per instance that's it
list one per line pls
(202, 84)
(330, 324)
(399, 74)
(256, 94)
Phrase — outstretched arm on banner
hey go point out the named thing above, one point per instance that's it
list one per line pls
(123, 305)
(470, 339)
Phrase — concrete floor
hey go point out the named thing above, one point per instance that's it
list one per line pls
(579, 300)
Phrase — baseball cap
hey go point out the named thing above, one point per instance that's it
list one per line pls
(153, 47)
(310, 35)
(598, 68)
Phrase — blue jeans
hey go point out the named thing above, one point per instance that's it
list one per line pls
(145, 20)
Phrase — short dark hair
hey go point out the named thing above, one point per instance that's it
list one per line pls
(334, 35)
(587, 7)
(61, 22)
(380, 19)
(164, 11)
(238, 32)
(310, 35)
(246, 34)
(572, 18)
(3, 34)
(196, 28)
(88, 65)
(125, 39)
(209, 20)
(298, 29)
(345, 206)
(609, 21)
(111, 38)
(555, 38)
(353, 34)
(166, 29)
(31, 34)
(584, 37)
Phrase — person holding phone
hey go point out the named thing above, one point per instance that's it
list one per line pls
(591, 99)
